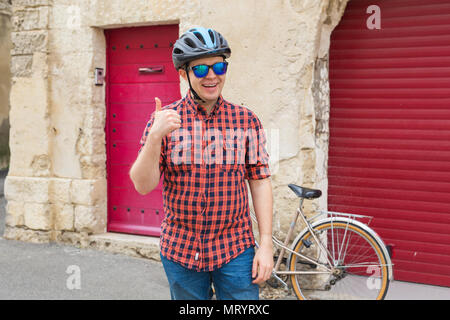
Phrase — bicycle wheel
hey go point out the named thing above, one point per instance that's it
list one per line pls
(342, 261)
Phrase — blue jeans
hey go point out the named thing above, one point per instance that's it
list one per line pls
(233, 281)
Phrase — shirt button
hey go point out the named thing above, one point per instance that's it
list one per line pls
(196, 256)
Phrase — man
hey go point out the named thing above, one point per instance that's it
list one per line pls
(207, 147)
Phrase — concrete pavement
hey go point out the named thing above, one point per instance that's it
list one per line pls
(55, 271)
(49, 271)
(399, 290)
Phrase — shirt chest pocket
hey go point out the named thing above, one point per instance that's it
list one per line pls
(179, 163)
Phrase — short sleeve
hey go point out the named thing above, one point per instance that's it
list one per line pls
(162, 158)
(256, 157)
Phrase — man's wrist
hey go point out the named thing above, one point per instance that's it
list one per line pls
(266, 239)
(154, 137)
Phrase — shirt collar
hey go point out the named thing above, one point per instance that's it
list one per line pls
(200, 110)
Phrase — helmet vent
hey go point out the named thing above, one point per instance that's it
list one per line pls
(211, 35)
(200, 37)
(177, 51)
(189, 42)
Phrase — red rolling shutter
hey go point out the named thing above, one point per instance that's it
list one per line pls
(389, 153)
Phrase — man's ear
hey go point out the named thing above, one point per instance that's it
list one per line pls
(182, 73)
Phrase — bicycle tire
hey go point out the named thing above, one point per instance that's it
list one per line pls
(348, 276)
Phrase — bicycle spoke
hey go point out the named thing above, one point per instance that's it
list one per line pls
(323, 248)
(346, 247)
(364, 265)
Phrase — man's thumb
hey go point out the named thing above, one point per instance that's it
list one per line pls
(158, 104)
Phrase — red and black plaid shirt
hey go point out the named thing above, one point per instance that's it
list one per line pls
(205, 164)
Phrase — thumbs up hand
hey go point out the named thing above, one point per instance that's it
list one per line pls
(158, 104)
(165, 121)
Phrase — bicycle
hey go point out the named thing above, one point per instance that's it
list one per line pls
(334, 257)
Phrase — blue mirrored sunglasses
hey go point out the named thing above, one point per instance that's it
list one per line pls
(201, 70)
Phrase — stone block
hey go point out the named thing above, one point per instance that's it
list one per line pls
(95, 119)
(27, 235)
(79, 239)
(21, 4)
(28, 42)
(88, 192)
(93, 166)
(63, 215)
(21, 65)
(29, 134)
(25, 20)
(59, 190)
(38, 216)
(30, 19)
(137, 246)
(26, 189)
(91, 141)
(90, 219)
(14, 214)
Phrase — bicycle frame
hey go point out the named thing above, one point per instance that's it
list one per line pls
(284, 247)
(328, 265)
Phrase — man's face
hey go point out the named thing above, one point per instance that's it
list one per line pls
(209, 87)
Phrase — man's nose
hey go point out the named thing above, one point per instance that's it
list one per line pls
(211, 73)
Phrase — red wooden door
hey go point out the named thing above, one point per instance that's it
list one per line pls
(139, 67)
(389, 153)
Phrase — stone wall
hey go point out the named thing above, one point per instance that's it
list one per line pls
(5, 80)
(56, 188)
(53, 187)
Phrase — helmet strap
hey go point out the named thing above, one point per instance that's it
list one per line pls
(196, 96)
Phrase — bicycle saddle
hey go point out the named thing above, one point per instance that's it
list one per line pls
(303, 192)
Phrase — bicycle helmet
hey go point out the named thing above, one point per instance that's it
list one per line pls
(198, 43)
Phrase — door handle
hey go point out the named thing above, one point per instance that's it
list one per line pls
(158, 69)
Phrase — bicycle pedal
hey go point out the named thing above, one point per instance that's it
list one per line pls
(273, 283)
